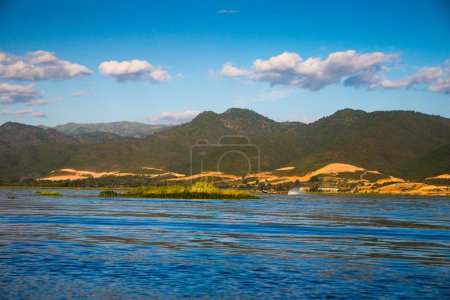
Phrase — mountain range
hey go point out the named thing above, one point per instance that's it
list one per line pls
(124, 128)
(401, 143)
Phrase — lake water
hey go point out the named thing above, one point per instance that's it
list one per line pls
(303, 246)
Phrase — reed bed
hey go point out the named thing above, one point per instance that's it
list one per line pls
(200, 190)
(48, 193)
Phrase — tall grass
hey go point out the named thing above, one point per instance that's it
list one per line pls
(200, 190)
(48, 193)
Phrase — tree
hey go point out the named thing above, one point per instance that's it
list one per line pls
(314, 178)
(314, 188)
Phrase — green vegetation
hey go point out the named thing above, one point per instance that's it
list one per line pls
(438, 181)
(200, 190)
(434, 163)
(107, 194)
(48, 193)
(400, 143)
(314, 188)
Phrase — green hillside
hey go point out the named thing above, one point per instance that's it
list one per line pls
(381, 141)
(435, 163)
(401, 143)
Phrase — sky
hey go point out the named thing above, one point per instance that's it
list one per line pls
(166, 61)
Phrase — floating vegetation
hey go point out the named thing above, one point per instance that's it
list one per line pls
(48, 193)
(200, 190)
(108, 193)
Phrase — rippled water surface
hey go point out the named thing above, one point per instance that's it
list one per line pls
(302, 246)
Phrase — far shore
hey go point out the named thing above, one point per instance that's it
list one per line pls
(254, 191)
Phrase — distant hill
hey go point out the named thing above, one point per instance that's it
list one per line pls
(434, 163)
(125, 129)
(384, 141)
(399, 143)
(96, 137)
(17, 134)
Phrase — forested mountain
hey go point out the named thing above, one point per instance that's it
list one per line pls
(126, 129)
(402, 143)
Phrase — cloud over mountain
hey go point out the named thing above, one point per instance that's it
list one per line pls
(15, 94)
(39, 65)
(133, 70)
(23, 112)
(173, 117)
(347, 67)
(229, 70)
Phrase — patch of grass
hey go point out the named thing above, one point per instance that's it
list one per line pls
(200, 190)
(48, 193)
(108, 193)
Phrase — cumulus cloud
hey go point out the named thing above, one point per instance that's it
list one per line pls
(39, 65)
(173, 117)
(347, 67)
(437, 79)
(133, 70)
(373, 79)
(14, 94)
(423, 75)
(23, 112)
(228, 70)
(314, 73)
(441, 86)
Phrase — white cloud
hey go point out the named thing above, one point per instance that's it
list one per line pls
(13, 94)
(38, 102)
(228, 70)
(227, 11)
(314, 73)
(173, 117)
(424, 75)
(133, 70)
(306, 119)
(441, 86)
(373, 79)
(39, 65)
(347, 67)
(23, 112)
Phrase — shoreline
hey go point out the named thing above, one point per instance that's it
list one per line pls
(256, 192)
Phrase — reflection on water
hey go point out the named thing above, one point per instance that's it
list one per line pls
(300, 246)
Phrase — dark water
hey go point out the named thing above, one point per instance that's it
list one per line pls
(302, 246)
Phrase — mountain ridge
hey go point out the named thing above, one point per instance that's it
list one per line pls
(386, 141)
(120, 128)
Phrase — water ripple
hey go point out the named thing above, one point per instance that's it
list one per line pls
(306, 246)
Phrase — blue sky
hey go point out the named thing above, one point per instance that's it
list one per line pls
(164, 61)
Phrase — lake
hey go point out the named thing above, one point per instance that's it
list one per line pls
(301, 246)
